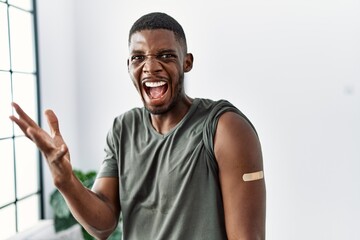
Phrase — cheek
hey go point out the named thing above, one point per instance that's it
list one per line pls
(136, 85)
(135, 74)
(134, 78)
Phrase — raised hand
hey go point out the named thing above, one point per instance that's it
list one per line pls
(51, 145)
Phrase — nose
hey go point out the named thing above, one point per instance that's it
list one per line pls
(152, 65)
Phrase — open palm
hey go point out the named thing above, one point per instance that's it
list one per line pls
(51, 145)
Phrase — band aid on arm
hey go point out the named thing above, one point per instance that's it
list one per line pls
(247, 177)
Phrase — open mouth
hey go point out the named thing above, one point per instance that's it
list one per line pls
(155, 90)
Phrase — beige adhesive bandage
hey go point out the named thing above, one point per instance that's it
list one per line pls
(247, 177)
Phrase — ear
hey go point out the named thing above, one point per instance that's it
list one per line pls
(188, 62)
(128, 64)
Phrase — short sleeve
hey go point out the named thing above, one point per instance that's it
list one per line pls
(212, 120)
(109, 166)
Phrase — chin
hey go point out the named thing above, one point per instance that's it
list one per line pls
(162, 108)
(157, 110)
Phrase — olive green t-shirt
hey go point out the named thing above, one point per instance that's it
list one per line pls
(169, 184)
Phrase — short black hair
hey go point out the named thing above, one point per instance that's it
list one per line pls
(159, 20)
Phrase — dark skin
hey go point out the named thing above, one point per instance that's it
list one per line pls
(238, 151)
(158, 58)
(97, 210)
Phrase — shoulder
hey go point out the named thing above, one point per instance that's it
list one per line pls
(233, 122)
(236, 140)
(215, 108)
(224, 124)
(125, 122)
(238, 152)
(210, 103)
(130, 114)
(134, 114)
(226, 116)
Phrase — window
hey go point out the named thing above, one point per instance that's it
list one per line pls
(20, 163)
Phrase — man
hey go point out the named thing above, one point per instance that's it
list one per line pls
(178, 168)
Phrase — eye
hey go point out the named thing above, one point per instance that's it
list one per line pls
(137, 58)
(167, 56)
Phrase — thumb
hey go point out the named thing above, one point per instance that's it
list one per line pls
(52, 122)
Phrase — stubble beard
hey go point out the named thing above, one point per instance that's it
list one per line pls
(175, 100)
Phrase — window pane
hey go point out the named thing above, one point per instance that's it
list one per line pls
(24, 4)
(24, 93)
(4, 38)
(5, 107)
(22, 40)
(26, 156)
(7, 222)
(7, 188)
(28, 212)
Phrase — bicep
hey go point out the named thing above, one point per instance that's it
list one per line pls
(238, 152)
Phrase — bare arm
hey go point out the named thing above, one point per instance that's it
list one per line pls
(238, 152)
(98, 210)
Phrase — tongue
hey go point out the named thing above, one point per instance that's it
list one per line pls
(157, 92)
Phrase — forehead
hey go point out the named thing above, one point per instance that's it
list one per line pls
(152, 40)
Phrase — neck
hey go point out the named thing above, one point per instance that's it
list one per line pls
(163, 123)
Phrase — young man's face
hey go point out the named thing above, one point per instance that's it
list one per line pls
(156, 65)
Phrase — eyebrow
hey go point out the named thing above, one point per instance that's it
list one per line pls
(166, 50)
(160, 51)
(135, 52)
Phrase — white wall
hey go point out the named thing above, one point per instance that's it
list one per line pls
(291, 66)
(58, 80)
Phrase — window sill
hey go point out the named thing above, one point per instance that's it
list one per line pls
(44, 230)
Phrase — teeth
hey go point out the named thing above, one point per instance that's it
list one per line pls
(154, 84)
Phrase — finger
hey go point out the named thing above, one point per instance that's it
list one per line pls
(52, 153)
(23, 115)
(42, 140)
(52, 122)
(22, 124)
